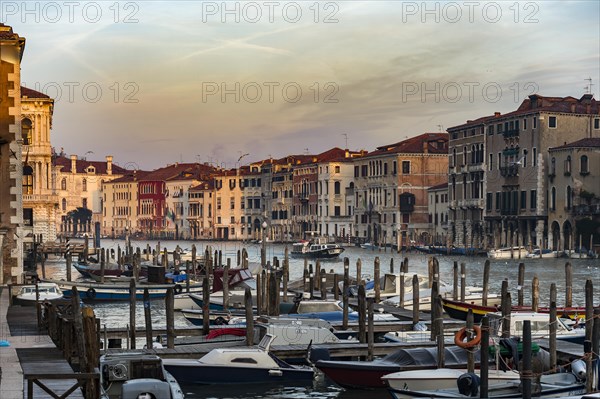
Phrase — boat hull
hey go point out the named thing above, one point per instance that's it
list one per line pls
(420, 380)
(208, 375)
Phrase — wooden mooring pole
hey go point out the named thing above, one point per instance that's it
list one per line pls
(148, 319)
(521, 284)
(132, 302)
(568, 285)
(249, 317)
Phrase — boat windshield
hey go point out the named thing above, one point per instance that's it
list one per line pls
(147, 369)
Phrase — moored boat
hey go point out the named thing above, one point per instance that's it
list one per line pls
(316, 250)
(238, 366)
(28, 294)
(508, 253)
(136, 375)
(544, 253)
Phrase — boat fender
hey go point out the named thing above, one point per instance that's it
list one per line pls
(468, 384)
(91, 293)
(177, 289)
(459, 338)
(578, 369)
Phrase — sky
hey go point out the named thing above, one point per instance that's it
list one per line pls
(153, 83)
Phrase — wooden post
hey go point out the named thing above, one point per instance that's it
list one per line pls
(463, 281)
(535, 293)
(135, 264)
(226, 285)
(434, 315)
(265, 285)
(38, 308)
(430, 270)
(336, 287)
(596, 339)
(305, 276)
(205, 306)
(311, 281)
(187, 276)
(220, 258)
(345, 293)
(362, 310)
(377, 278)
(323, 284)
(415, 295)
(441, 353)
(170, 313)
(286, 276)
(43, 265)
(526, 373)
(249, 317)
(194, 259)
(132, 302)
(506, 309)
(69, 261)
(552, 328)
(486, 282)
(165, 259)
(90, 332)
(370, 330)
(568, 285)
(589, 370)
(484, 361)
(470, 354)
(589, 309)
(402, 291)
(273, 294)
(148, 319)
(391, 265)
(317, 275)
(520, 284)
(358, 271)
(86, 248)
(259, 293)
(148, 250)
(238, 258)
(102, 265)
(455, 282)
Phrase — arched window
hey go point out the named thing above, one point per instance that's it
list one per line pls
(553, 199)
(568, 165)
(553, 166)
(454, 160)
(473, 155)
(583, 165)
(84, 185)
(63, 183)
(27, 131)
(64, 204)
(569, 197)
(27, 180)
(336, 187)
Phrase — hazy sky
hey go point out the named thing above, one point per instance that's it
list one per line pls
(157, 82)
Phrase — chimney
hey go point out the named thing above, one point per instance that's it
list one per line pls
(497, 114)
(73, 163)
(109, 159)
(533, 101)
(586, 98)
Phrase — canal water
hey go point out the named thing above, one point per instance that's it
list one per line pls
(547, 270)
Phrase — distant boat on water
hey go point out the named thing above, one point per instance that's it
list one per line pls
(508, 253)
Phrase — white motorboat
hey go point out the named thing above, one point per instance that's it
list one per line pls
(508, 253)
(136, 375)
(444, 378)
(27, 295)
(544, 253)
(238, 365)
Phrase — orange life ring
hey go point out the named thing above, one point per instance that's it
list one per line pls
(459, 338)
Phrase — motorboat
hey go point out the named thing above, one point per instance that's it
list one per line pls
(370, 246)
(544, 253)
(238, 365)
(508, 253)
(550, 386)
(136, 375)
(442, 378)
(579, 253)
(311, 249)
(331, 310)
(28, 294)
(361, 374)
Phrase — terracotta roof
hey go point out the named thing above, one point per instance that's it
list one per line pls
(536, 103)
(415, 145)
(30, 93)
(583, 143)
(439, 186)
(205, 185)
(179, 171)
(82, 165)
(130, 176)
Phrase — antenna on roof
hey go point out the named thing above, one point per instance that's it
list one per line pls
(306, 151)
(441, 128)
(588, 88)
(346, 137)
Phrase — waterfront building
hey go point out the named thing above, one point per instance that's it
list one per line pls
(305, 198)
(574, 193)
(201, 210)
(391, 185)
(335, 212)
(438, 213)
(79, 189)
(252, 197)
(11, 163)
(498, 173)
(230, 205)
(40, 200)
(120, 209)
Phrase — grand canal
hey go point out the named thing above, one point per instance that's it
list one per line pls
(547, 270)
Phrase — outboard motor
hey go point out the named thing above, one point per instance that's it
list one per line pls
(317, 354)
(145, 387)
(468, 384)
(578, 369)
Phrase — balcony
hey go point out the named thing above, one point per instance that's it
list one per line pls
(509, 211)
(509, 134)
(46, 199)
(586, 210)
(476, 168)
(472, 203)
(509, 171)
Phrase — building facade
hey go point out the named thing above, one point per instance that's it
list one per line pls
(438, 214)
